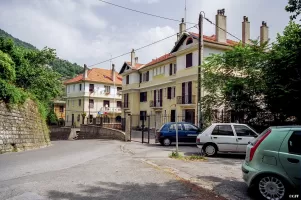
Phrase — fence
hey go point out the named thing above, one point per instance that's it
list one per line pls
(108, 122)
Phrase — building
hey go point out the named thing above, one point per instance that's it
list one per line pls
(94, 93)
(167, 86)
(59, 109)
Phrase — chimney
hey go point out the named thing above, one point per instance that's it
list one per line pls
(182, 27)
(264, 33)
(221, 26)
(245, 31)
(133, 64)
(113, 71)
(136, 60)
(85, 71)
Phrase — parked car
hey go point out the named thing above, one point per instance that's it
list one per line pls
(225, 137)
(272, 167)
(187, 133)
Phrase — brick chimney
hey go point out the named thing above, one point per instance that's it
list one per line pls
(133, 63)
(113, 72)
(221, 23)
(264, 33)
(85, 71)
(182, 28)
(245, 31)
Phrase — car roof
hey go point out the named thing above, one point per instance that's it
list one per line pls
(228, 124)
(168, 123)
(286, 127)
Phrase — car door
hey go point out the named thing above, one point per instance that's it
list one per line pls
(244, 135)
(191, 132)
(172, 132)
(290, 156)
(224, 137)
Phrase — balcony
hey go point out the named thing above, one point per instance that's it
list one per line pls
(186, 100)
(111, 109)
(156, 104)
(126, 105)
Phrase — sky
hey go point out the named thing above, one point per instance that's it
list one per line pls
(90, 31)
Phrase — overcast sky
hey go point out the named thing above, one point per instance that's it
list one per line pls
(89, 31)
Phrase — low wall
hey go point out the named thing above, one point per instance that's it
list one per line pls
(97, 132)
(59, 133)
(22, 128)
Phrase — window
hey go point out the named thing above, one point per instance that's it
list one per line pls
(294, 143)
(78, 117)
(143, 115)
(225, 130)
(173, 92)
(119, 89)
(173, 127)
(143, 96)
(244, 131)
(190, 127)
(107, 89)
(91, 103)
(72, 103)
(119, 103)
(175, 68)
(68, 88)
(188, 60)
(169, 92)
(79, 102)
(170, 69)
(80, 87)
(91, 87)
(154, 72)
(106, 103)
(73, 87)
(61, 108)
(189, 41)
(147, 76)
(127, 79)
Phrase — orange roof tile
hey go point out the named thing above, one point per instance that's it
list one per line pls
(98, 75)
(160, 59)
(137, 66)
(213, 39)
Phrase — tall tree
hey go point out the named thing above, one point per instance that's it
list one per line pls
(294, 7)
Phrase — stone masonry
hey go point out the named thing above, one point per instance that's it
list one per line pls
(22, 128)
(97, 132)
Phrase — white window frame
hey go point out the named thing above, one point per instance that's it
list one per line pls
(107, 89)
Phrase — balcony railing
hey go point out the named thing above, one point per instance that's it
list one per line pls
(187, 99)
(126, 104)
(111, 109)
(155, 104)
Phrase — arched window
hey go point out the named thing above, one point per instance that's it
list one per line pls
(189, 41)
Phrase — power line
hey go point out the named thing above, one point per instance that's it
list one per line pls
(140, 48)
(145, 13)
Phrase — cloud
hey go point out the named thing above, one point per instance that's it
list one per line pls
(145, 1)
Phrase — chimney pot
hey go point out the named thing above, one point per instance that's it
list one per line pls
(264, 33)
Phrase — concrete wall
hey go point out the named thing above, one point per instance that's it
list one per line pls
(59, 133)
(97, 132)
(22, 128)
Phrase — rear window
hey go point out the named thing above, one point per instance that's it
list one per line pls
(173, 127)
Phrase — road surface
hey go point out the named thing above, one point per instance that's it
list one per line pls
(85, 170)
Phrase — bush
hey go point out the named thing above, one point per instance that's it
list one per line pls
(10, 94)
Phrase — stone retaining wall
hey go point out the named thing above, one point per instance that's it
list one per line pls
(22, 128)
(97, 132)
(59, 133)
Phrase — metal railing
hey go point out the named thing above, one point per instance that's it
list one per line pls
(187, 99)
(155, 104)
(111, 109)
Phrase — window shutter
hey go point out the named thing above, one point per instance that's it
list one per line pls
(147, 76)
(169, 93)
(145, 96)
(161, 91)
(170, 69)
(140, 78)
(175, 68)
(190, 91)
(141, 96)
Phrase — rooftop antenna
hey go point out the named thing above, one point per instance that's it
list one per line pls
(111, 62)
(185, 12)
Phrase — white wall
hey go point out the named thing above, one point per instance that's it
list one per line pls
(208, 51)
(134, 78)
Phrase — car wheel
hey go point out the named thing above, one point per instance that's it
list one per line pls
(271, 187)
(166, 142)
(210, 150)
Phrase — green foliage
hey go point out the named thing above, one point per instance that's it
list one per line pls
(7, 68)
(51, 117)
(18, 42)
(294, 6)
(176, 155)
(65, 68)
(283, 73)
(11, 94)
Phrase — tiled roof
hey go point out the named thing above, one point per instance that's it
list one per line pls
(213, 39)
(137, 66)
(98, 75)
(160, 59)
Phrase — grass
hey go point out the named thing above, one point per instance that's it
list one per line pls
(179, 156)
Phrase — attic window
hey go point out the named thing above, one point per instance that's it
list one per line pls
(189, 41)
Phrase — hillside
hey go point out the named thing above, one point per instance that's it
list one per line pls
(63, 67)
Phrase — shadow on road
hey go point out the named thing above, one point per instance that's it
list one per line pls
(107, 190)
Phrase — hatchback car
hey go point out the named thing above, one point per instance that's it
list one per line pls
(187, 133)
(225, 137)
(272, 167)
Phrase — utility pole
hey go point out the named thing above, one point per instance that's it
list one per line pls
(200, 54)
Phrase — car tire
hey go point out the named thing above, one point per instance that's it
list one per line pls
(166, 142)
(210, 150)
(269, 184)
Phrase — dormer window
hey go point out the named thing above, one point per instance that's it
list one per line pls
(189, 41)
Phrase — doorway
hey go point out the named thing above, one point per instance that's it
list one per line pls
(190, 116)
(173, 116)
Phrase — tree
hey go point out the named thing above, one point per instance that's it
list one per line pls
(283, 74)
(234, 79)
(294, 6)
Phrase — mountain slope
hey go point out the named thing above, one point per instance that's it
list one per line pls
(63, 67)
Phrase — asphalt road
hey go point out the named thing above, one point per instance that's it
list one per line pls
(87, 169)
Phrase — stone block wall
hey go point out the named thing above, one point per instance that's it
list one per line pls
(22, 128)
(59, 133)
(97, 132)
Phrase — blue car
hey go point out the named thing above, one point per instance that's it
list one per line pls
(187, 133)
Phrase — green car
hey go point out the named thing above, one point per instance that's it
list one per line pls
(272, 167)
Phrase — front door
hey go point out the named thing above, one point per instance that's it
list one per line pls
(173, 116)
(244, 136)
(223, 137)
(190, 116)
(290, 156)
